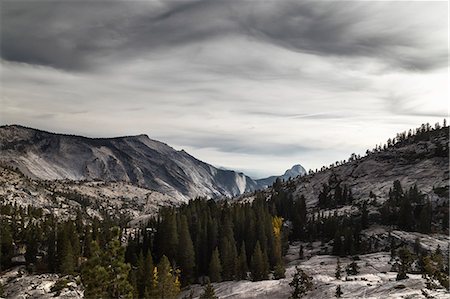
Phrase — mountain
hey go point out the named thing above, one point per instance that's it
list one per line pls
(295, 171)
(138, 160)
(420, 159)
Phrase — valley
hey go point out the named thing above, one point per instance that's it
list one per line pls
(385, 213)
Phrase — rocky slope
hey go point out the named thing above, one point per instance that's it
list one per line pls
(133, 159)
(423, 160)
(64, 198)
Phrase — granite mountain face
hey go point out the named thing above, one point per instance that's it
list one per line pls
(138, 160)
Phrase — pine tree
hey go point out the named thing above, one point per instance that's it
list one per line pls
(215, 267)
(6, 245)
(32, 245)
(140, 276)
(301, 283)
(168, 284)
(105, 274)
(94, 275)
(148, 274)
(67, 260)
(51, 251)
(242, 265)
(425, 218)
(352, 268)
(337, 244)
(338, 269)
(405, 262)
(259, 267)
(186, 255)
(208, 292)
(339, 292)
(168, 236)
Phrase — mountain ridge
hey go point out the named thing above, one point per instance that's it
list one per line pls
(135, 159)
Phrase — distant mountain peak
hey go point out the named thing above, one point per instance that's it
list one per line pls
(295, 171)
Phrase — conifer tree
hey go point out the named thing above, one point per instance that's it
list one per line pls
(105, 274)
(405, 262)
(259, 267)
(6, 245)
(339, 292)
(32, 244)
(352, 268)
(186, 255)
(242, 265)
(425, 218)
(148, 274)
(215, 267)
(140, 276)
(301, 253)
(168, 236)
(338, 269)
(168, 284)
(301, 283)
(51, 251)
(208, 292)
(67, 259)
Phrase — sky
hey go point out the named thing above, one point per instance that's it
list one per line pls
(255, 86)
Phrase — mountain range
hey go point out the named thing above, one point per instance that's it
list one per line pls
(138, 160)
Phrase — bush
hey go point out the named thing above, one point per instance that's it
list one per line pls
(59, 285)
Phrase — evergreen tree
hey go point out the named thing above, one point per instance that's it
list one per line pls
(67, 260)
(168, 283)
(168, 236)
(32, 244)
(6, 245)
(242, 265)
(215, 267)
(339, 292)
(94, 275)
(259, 267)
(148, 274)
(405, 217)
(425, 218)
(208, 292)
(106, 274)
(352, 268)
(405, 262)
(337, 244)
(186, 255)
(51, 251)
(228, 258)
(140, 276)
(338, 269)
(301, 283)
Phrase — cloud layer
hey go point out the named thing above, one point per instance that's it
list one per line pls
(250, 85)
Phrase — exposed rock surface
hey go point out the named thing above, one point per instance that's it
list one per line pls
(134, 159)
(19, 284)
(418, 162)
(64, 198)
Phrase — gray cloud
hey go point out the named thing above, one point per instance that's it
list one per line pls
(257, 85)
(78, 35)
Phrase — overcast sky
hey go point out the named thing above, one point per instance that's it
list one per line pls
(255, 86)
